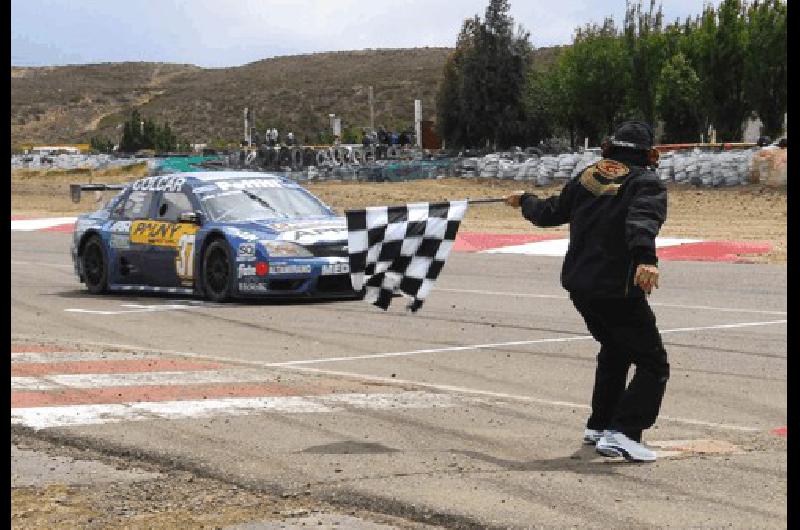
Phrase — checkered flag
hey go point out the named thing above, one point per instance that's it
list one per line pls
(401, 248)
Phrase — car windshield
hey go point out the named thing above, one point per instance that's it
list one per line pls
(254, 204)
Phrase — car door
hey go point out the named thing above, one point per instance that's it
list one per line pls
(126, 253)
(170, 253)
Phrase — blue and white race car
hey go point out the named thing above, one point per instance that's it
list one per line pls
(221, 235)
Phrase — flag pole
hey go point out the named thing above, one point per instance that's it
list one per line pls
(486, 200)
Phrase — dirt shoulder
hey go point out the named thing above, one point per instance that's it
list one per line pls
(754, 213)
(175, 498)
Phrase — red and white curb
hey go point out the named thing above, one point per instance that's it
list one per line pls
(669, 249)
(52, 224)
(61, 388)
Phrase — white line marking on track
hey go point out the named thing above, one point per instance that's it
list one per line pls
(59, 357)
(31, 383)
(200, 377)
(42, 264)
(510, 343)
(142, 308)
(72, 415)
(513, 397)
(660, 304)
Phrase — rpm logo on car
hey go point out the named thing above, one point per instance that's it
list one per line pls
(159, 233)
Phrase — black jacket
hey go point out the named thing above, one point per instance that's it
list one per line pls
(614, 210)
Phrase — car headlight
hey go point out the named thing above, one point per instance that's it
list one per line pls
(285, 249)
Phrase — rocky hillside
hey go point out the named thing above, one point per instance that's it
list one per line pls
(74, 103)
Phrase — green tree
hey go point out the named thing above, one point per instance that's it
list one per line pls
(766, 72)
(715, 44)
(132, 140)
(646, 46)
(678, 101)
(101, 145)
(594, 76)
(481, 97)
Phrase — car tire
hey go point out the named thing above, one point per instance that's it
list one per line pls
(219, 274)
(95, 265)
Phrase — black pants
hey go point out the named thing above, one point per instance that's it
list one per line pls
(627, 333)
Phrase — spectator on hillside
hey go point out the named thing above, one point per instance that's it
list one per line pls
(383, 136)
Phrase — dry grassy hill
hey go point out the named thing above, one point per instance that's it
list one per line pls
(73, 103)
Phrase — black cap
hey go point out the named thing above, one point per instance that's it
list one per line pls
(633, 135)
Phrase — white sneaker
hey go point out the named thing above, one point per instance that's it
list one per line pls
(590, 436)
(614, 443)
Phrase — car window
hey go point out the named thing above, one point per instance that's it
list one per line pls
(172, 205)
(135, 206)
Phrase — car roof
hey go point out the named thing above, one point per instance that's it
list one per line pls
(206, 176)
(199, 178)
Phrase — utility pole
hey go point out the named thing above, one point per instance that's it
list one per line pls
(418, 121)
(246, 128)
(371, 110)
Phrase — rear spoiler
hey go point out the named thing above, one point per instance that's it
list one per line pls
(75, 189)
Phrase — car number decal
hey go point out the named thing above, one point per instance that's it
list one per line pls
(184, 260)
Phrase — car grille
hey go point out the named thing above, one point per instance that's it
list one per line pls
(329, 250)
(335, 283)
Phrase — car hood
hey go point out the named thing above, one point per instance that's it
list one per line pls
(312, 231)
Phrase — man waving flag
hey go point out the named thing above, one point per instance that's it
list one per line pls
(401, 248)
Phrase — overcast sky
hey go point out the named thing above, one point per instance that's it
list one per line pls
(216, 33)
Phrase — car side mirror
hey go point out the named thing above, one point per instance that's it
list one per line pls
(195, 218)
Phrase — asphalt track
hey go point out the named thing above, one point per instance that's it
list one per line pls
(468, 413)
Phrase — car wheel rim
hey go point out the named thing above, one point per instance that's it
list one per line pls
(93, 265)
(217, 272)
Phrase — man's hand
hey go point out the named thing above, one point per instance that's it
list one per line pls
(646, 277)
(513, 199)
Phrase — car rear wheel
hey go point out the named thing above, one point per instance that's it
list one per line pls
(218, 272)
(95, 266)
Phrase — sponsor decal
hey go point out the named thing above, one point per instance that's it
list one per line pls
(336, 268)
(252, 287)
(120, 227)
(246, 270)
(289, 268)
(120, 241)
(246, 252)
(160, 233)
(233, 231)
(252, 284)
(245, 184)
(163, 183)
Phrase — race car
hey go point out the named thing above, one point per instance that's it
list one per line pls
(218, 234)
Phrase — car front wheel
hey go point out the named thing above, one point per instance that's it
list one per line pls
(218, 272)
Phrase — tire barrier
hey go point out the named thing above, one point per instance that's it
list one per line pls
(698, 167)
(345, 156)
(369, 155)
(309, 157)
(358, 156)
(285, 157)
(296, 156)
